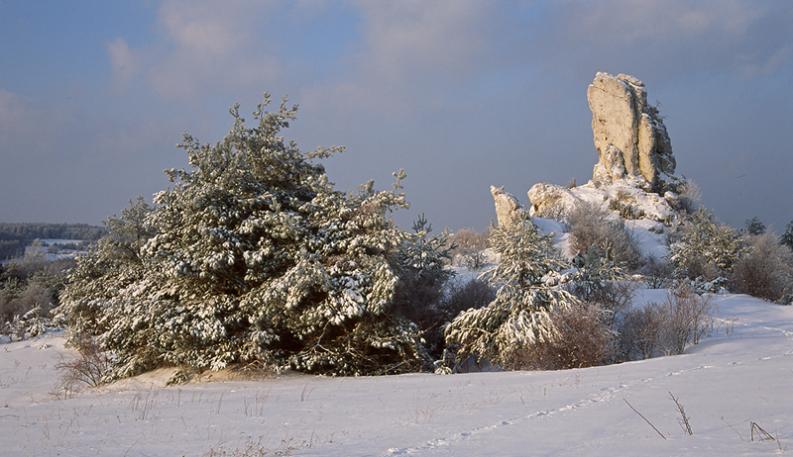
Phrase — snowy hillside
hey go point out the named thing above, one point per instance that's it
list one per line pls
(740, 374)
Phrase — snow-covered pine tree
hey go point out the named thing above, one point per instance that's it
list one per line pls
(251, 256)
(103, 274)
(706, 249)
(531, 288)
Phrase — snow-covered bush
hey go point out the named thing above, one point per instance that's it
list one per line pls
(530, 289)
(594, 229)
(705, 248)
(766, 270)
(22, 327)
(29, 289)
(250, 256)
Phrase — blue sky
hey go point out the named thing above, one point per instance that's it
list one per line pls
(463, 94)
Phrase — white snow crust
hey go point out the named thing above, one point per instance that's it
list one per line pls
(741, 373)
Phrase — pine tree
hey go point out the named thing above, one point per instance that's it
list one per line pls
(787, 237)
(531, 287)
(251, 256)
(755, 226)
(421, 266)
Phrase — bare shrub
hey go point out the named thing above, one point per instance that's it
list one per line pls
(639, 333)
(594, 228)
(665, 328)
(686, 319)
(583, 340)
(766, 271)
(89, 368)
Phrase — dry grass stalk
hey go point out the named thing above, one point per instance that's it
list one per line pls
(685, 424)
(645, 419)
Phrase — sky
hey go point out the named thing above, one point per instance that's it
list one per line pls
(462, 94)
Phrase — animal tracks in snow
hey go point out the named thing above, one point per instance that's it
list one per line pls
(605, 394)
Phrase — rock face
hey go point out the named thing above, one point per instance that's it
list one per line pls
(509, 213)
(630, 136)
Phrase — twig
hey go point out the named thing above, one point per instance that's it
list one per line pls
(645, 419)
(684, 423)
(762, 435)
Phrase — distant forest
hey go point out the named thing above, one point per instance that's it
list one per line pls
(14, 237)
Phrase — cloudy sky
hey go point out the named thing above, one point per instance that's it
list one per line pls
(463, 94)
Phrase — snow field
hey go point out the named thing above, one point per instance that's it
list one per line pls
(741, 373)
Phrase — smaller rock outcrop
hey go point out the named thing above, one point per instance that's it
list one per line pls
(509, 212)
(552, 201)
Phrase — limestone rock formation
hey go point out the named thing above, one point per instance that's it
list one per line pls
(630, 135)
(634, 176)
(633, 179)
(509, 212)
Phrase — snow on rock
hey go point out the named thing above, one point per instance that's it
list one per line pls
(622, 197)
(741, 373)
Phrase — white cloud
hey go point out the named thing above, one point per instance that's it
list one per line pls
(411, 50)
(122, 60)
(408, 36)
(206, 27)
(207, 45)
(664, 20)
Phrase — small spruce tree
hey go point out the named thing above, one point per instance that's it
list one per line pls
(530, 289)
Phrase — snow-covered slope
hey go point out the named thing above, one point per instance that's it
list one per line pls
(741, 374)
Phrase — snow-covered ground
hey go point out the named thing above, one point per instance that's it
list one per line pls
(740, 374)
